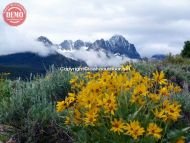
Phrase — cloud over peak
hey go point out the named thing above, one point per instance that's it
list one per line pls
(153, 26)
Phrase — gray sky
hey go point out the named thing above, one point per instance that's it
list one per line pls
(154, 26)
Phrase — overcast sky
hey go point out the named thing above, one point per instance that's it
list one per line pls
(154, 26)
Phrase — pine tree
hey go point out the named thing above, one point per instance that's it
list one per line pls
(186, 50)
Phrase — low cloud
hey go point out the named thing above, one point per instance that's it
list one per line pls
(14, 41)
(94, 58)
(160, 48)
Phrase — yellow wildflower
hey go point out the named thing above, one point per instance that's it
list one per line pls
(69, 100)
(77, 117)
(109, 102)
(181, 140)
(140, 89)
(117, 126)
(111, 108)
(109, 99)
(74, 80)
(60, 106)
(134, 129)
(126, 68)
(173, 111)
(164, 91)
(67, 121)
(154, 97)
(91, 118)
(169, 111)
(161, 115)
(154, 130)
(159, 77)
(137, 99)
(177, 89)
(89, 75)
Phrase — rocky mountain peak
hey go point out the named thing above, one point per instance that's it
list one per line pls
(45, 41)
(118, 39)
(67, 44)
(78, 44)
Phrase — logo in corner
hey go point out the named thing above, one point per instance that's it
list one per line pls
(14, 14)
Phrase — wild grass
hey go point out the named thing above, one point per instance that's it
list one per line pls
(29, 106)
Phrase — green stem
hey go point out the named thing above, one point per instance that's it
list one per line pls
(165, 130)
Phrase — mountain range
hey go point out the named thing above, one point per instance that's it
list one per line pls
(158, 57)
(117, 47)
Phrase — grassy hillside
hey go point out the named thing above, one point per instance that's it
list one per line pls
(23, 64)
